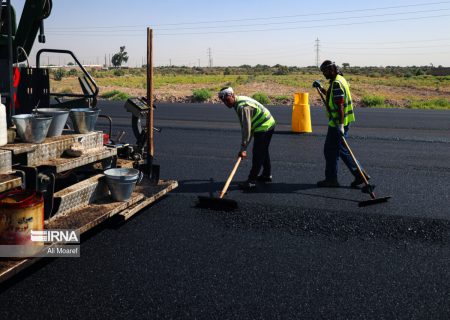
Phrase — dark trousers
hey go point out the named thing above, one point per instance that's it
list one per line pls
(334, 149)
(261, 157)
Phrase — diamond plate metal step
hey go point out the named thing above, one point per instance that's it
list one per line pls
(5, 161)
(85, 218)
(51, 148)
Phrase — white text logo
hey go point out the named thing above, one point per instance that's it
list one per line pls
(54, 236)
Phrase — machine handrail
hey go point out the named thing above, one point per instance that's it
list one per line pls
(88, 76)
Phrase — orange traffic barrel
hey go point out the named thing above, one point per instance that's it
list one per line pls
(20, 212)
(301, 116)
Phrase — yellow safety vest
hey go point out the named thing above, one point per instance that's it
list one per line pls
(333, 115)
(262, 120)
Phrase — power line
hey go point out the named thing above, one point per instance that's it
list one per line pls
(387, 48)
(263, 18)
(266, 23)
(306, 21)
(306, 27)
(389, 42)
(253, 30)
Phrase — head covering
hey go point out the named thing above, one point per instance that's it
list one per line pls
(225, 92)
(326, 64)
(330, 64)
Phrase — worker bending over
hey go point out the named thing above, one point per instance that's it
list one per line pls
(340, 114)
(255, 121)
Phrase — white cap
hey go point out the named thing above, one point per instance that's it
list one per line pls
(225, 92)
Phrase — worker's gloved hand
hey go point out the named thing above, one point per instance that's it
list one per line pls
(242, 154)
(341, 128)
(317, 84)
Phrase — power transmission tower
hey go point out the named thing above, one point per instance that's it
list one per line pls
(317, 51)
(210, 58)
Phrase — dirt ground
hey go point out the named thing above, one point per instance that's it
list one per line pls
(279, 94)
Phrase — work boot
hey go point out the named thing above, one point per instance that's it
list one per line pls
(247, 185)
(328, 183)
(264, 179)
(358, 179)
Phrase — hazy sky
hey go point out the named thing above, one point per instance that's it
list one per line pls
(377, 33)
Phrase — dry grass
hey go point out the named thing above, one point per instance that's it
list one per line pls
(398, 91)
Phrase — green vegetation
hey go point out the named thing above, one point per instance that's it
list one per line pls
(201, 95)
(115, 95)
(58, 74)
(378, 87)
(372, 101)
(261, 97)
(120, 57)
(431, 104)
(281, 99)
(119, 72)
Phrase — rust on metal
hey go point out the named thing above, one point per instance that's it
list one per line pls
(169, 186)
(5, 161)
(68, 163)
(8, 182)
(93, 214)
(54, 147)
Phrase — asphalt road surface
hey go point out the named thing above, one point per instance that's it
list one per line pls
(291, 250)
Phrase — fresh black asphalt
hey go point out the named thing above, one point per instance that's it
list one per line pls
(291, 250)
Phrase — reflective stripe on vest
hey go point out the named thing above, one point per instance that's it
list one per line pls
(349, 116)
(262, 120)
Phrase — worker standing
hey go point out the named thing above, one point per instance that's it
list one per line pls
(255, 121)
(340, 114)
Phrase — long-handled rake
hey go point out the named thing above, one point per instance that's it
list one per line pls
(368, 187)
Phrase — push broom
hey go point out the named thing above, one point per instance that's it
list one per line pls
(220, 203)
(368, 188)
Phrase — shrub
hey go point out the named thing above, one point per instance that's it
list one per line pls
(431, 104)
(66, 90)
(282, 99)
(59, 74)
(118, 72)
(372, 101)
(201, 95)
(261, 97)
(115, 95)
(72, 73)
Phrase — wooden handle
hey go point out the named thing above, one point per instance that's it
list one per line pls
(227, 184)
(361, 173)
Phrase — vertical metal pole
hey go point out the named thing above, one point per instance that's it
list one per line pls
(150, 145)
(10, 65)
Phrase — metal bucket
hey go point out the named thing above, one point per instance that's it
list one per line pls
(84, 119)
(59, 120)
(32, 128)
(121, 182)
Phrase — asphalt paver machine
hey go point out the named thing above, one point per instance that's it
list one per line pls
(65, 170)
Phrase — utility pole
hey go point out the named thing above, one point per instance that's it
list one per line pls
(317, 52)
(210, 58)
(106, 66)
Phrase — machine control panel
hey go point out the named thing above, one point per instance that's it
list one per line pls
(137, 106)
